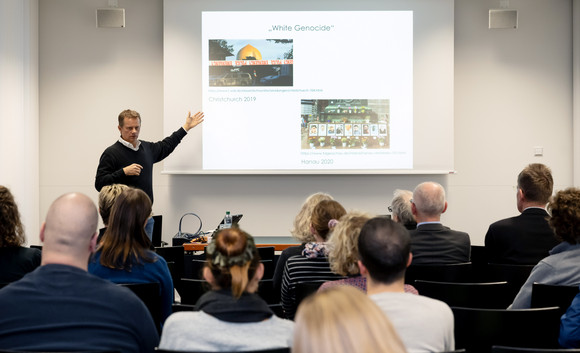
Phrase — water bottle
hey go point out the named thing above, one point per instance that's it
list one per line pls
(227, 220)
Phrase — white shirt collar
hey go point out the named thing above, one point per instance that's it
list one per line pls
(129, 144)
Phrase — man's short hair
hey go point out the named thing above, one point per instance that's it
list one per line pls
(429, 198)
(401, 207)
(129, 114)
(384, 247)
(536, 182)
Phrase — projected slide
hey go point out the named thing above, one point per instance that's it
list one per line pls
(307, 90)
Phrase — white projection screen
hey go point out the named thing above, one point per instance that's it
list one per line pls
(310, 87)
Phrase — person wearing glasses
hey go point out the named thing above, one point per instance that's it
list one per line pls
(401, 210)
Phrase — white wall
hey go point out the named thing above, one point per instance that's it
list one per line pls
(513, 91)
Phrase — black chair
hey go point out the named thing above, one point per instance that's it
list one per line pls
(479, 260)
(174, 254)
(177, 307)
(477, 330)
(504, 349)
(192, 289)
(458, 272)
(151, 297)
(489, 295)
(266, 291)
(544, 295)
(266, 252)
(197, 268)
(269, 268)
(271, 350)
(156, 237)
(304, 289)
(515, 275)
(277, 309)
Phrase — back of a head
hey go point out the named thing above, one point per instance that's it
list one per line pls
(343, 245)
(125, 240)
(322, 213)
(232, 258)
(107, 197)
(384, 247)
(536, 182)
(564, 208)
(401, 207)
(429, 198)
(342, 319)
(301, 229)
(70, 224)
(11, 229)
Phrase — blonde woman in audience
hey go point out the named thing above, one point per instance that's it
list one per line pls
(342, 319)
(231, 316)
(312, 265)
(301, 232)
(16, 260)
(343, 252)
(107, 197)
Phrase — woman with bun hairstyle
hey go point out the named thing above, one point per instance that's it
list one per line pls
(312, 265)
(230, 317)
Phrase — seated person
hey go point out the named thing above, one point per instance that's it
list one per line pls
(527, 238)
(314, 256)
(424, 324)
(15, 259)
(431, 242)
(570, 326)
(231, 316)
(561, 267)
(107, 197)
(343, 252)
(59, 307)
(401, 209)
(301, 232)
(123, 255)
(342, 319)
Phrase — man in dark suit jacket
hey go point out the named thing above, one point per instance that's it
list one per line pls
(527, 238)
(431, 242)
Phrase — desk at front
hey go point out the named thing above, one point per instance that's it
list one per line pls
(201, 246)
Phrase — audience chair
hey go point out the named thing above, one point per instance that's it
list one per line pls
(150, 295)
(266, 252)
(266, 291)
(515, 275)
(156, 236)
(272, 350)
(176, 307)
(544, 295)
(459, 272)
(479, 262)
(269, 268)
(488, 295)
(304, 289)
(477, 330)
(197, 268)
(504, 349)
(192, 289)
(176, 255)
(277, 309)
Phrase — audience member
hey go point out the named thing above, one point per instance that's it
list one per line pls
(59, 306)
(527, 238)
(401, 209)
(431, 242)
(561, 267)
(231, 316)
(343, 320)
(123, 255)
(314, 256)
(107, 197)
(343, 252)
(15, 259)
(301, 232)
(424, 324)
(570, 326)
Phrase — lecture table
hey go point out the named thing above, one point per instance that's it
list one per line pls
(201, 246)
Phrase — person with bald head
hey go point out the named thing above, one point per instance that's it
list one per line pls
(60, 306)
(431, 241)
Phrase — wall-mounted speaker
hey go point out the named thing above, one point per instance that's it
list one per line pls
(111, 18)
(503, 18)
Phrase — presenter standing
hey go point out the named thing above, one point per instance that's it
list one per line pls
(130, 161)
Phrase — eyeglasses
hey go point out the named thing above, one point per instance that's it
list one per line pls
(390, 208)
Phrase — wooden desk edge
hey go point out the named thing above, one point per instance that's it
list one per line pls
(200, 247)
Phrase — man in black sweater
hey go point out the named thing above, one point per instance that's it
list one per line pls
(130, 161)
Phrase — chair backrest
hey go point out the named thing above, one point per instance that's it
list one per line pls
(515, 275)
(150, 294)
(544, 295)
(458, 272)
(271, 350)
(266, 252)
(175, 255)
(192, 289)
(477, 330)
(157, 236)
(304, 289)
(479, 260)
(269, 268)
(504, 349)
(490, 295)
(197, 268)
(266, 291)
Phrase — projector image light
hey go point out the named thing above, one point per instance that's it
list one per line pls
(111, 18)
